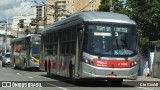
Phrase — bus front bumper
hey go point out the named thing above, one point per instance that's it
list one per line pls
(89, 71)
(34, 65)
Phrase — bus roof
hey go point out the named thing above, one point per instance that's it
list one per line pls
(21, 38)
(91, 16)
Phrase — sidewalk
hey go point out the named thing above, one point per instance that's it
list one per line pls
(144, 78)
(147, 78)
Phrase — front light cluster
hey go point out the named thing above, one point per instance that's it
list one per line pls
(134, 63)
(88, 61)
(35, 60)
(8, 59)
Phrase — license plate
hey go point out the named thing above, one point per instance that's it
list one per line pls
(112, 75)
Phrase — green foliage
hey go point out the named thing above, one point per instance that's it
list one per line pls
(144, 41)
(116, 4)
(104, 6)
(147, 15)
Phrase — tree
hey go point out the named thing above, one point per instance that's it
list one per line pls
(116, 5)
(104, 6)
(146, 13)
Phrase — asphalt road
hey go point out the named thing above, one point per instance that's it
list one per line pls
(28, 78)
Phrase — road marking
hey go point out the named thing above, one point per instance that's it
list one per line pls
(145, 88)
(57, 86)
(30, 77)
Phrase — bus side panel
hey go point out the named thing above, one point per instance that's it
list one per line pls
(42, 52)
(53, 63)
(64, 65)
(15, 59)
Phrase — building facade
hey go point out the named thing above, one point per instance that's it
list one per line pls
(20, 24)
(32, 19)
(59, 9)
(5, 37)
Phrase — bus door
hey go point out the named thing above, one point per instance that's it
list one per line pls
(28, 49)
(76, 63)
(79, 44)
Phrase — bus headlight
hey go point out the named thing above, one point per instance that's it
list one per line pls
(32, 60)
(35, 60)
(88, 61)
(134, 63)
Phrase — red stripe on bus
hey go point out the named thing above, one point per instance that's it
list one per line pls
(112, 63)
(53, 64)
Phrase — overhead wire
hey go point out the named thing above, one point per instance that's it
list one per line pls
(87, 5)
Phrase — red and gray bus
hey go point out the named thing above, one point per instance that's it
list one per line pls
(91, 45)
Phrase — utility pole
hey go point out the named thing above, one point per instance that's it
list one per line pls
(37, 22)
(5, 43)
(5, 35)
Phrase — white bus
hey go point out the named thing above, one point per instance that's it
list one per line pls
(25, 52)
(91, 45)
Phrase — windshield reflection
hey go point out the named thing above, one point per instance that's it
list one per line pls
(110, 39)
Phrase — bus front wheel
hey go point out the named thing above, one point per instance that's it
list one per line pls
(45, 66)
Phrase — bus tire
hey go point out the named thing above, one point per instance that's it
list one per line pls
(49, 69)
(45, 66)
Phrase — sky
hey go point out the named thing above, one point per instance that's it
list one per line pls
(9, 8)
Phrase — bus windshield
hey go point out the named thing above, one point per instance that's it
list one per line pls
(111, 39)
(36, 49)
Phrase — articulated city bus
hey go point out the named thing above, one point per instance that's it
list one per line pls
(91, 45)
(25, 51)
